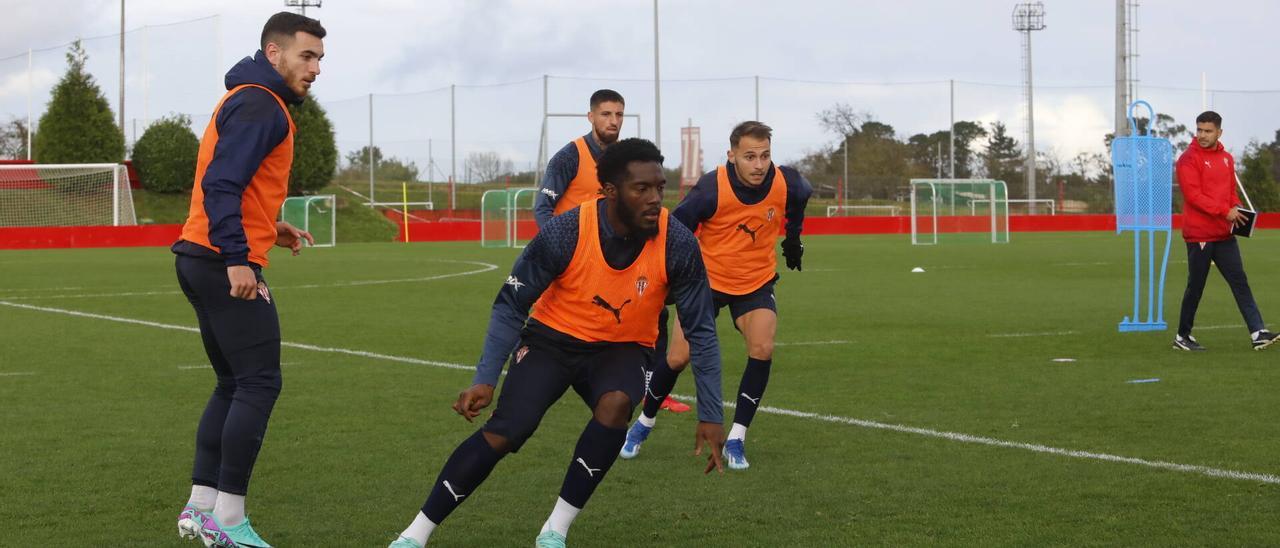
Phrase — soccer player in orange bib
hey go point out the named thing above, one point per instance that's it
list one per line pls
(599, 273)
(241, 179)
(737, 212)
(571, 180)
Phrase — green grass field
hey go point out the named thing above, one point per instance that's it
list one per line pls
(102, 382)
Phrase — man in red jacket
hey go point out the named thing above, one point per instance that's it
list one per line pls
(1207, 177)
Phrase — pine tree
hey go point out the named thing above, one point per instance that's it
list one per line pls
(78, 127)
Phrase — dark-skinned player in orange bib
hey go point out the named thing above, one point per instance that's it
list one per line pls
(571, 180)
(596, 278)
(737, 211)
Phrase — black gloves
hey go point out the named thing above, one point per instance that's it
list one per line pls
(792, 249)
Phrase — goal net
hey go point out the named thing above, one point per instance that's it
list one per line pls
(65, 195)
(314, 214)
(959, 206)
(506, 217)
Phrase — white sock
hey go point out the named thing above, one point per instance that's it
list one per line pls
(229, 509)
(647, 420)
(561, 518)
(1255, 334)
(738, 432)
(202, 498)
(420, 530)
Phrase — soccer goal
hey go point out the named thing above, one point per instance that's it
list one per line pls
(65, 195)
(952, 206)
(506, 217)
(315, 214)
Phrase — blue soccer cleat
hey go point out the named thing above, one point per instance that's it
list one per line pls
(635, 436)
(735, 452)
(549, 539)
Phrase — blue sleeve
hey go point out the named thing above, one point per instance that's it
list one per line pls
(250, 125)
(543, 260)
(699, 204)
(562, 168)
(688, 278)
(798, 192)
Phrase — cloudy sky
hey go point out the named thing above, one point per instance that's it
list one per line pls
(891, 60)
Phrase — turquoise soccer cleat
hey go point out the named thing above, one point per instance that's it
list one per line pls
(549, 539)
(404, 542)
(236, 536)
(190, 523)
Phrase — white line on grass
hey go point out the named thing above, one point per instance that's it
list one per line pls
(808, 343)
(953, 436)
(301, 346)
(207, 366)
(18, 374)
(485, 268)
(1045, 334)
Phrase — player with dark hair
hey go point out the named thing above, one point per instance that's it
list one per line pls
(571, 180)
(241, 179)
(1207, 179)
(738, 208)
(600, 273)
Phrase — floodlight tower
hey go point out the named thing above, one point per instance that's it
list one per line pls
(302, 5)
(1028, 17)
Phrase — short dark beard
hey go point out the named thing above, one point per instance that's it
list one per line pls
(630, 219)
(601, 140)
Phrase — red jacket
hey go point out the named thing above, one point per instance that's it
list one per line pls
(1207, 178)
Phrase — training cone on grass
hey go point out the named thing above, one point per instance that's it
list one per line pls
(917, 269)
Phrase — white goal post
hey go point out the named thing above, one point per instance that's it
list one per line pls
(951, 206)
(315, 214)
(65, 195)
(889, 210)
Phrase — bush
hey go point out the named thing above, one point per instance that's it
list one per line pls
(78, 127)
(166, 155)
(315, 154)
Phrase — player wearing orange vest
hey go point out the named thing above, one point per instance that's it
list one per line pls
(241, 179)
(571, 180)
(599, 273)
(738, 210)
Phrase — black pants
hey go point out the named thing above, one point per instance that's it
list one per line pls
(1225, 254)
(242, 341)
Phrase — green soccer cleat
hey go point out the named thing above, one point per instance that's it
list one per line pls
(404, 542)
(237, 536)
(549, 539)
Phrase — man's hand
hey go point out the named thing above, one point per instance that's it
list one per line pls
(291, 237)
(472, 400)
(712, 435)
(1236, 218)
(792, 250)
(244, 284)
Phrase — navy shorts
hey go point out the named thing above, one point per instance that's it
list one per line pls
(741, 304)
(540, 372)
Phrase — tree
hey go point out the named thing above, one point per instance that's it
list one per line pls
(487, 166)
(315, 154)
(166, 154)
(78, 127)
(389, 169)
(1257, 177)
(13, 140)
(1003, 158)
